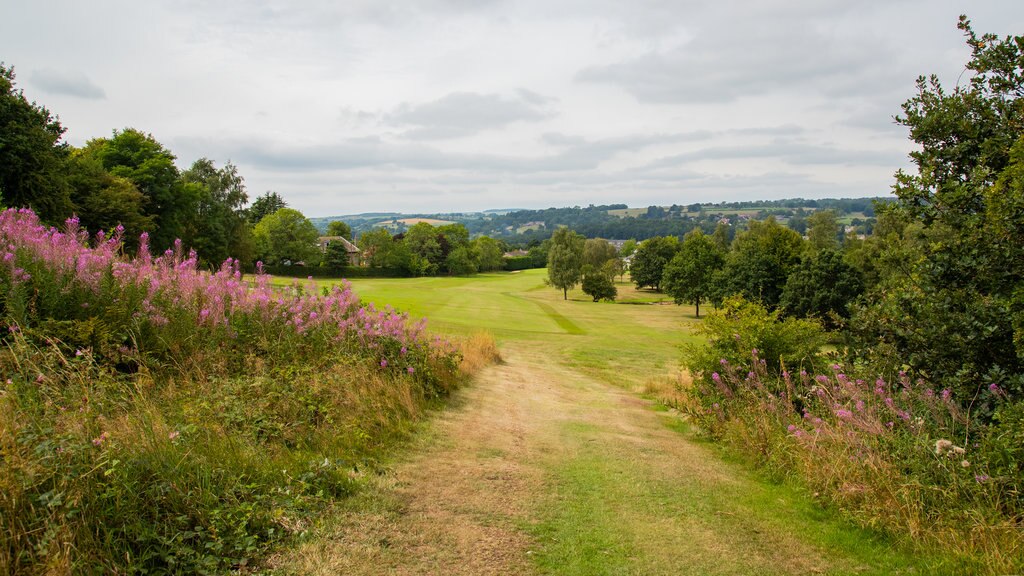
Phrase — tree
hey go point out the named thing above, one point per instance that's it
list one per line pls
(648, 265)
(823, 286)
(955, 314)
(760, 262)
(823, 230)
(220, 229)
(597, 251)
(423, 240)
(628, 248)
(376, 246)
(285, 235)
(565, 260)
(32, 155)
(488, 254)
(264, 206)
(139, 158)
(688, 276)
(722, 237)
(339, 228)
(598, 283)
(104, 201)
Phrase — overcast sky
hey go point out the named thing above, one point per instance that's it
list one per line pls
(455, 105)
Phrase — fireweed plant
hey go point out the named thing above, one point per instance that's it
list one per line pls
(892, 453)
(158, 418)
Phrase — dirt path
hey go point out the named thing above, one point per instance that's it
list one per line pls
(537, 468)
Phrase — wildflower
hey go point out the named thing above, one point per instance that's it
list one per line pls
(722, 362)
(942, 446)
(965, 464)
(841, 413)
(410, 370)
(99, 439)
(860, 405)
(946, 395)
(383, 362)
(716, 377)
(173, 435)
(791, 428)
(993, 388)
(981, 478)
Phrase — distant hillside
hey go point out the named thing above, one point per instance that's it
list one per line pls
(619, 221)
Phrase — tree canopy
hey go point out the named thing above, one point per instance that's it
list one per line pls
(565, 260)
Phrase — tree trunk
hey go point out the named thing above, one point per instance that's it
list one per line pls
(698, 308)
(565, 293)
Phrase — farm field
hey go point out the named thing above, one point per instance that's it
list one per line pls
(552, 463)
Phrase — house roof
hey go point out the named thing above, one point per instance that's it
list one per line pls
(349, 247)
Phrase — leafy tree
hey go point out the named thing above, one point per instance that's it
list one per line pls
(488, 254)
(220, 229)
(823, 286)
(265, 205)
(286, 235)
(648, 265)
(688, 276)
(565, 260)
(823, 230)
(760, 262)
(460, 261)
(104, 201)
(628, 248)
(143, 161)
(32, 155)
(339, 228)
(722, 237)
(423, 240)
(597, 251)
(598, 283)
(956, 316)
(376, 246)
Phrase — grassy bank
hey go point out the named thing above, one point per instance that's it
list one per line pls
(157, 419)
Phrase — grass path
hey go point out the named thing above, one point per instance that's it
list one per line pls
(541, 466)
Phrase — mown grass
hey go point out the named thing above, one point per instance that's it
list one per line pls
(621, 343)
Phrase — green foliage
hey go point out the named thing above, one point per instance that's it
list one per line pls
(823, 286)
(628, 248)
(32, 155)
(761, 260)
(488, 254)
(286, 235)
(647, 268)
(219, 230)
(823, 230)
(688, 277)
(565, 260)
(740, 326)
(599, 283)
(339, 228)
(952, 305)
(598, 251)
(139, 158)
(104, 201)
(264, 206)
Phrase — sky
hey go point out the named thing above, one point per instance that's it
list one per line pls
(433, 106)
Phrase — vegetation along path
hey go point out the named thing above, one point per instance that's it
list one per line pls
(544, 466)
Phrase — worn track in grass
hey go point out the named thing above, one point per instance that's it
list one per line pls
(540, 468)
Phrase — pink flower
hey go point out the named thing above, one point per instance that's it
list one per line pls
(383, 362)
(410, 370)
(99, 439)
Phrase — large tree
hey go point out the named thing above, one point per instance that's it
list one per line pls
(285, 235)
(823, 286)
(565, 260)
(265, 205)
(139, 158)
(688, 276)
(104, 201)
(339, 228)
(955, 311)
(760, 262)
(32, 156)
(220, 229)
(647, 267)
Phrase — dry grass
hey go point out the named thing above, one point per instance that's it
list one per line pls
(478, 351)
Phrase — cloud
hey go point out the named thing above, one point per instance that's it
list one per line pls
(73, 84)
(793, 153)
(462, 114)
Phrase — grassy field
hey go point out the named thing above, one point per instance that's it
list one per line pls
(591, 481)
(622, 343)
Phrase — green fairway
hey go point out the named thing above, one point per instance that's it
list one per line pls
(624, 343)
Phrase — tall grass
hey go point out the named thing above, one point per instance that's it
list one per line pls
(894, 454)
(155, 418)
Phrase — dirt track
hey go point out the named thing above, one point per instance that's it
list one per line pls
(495, 464)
